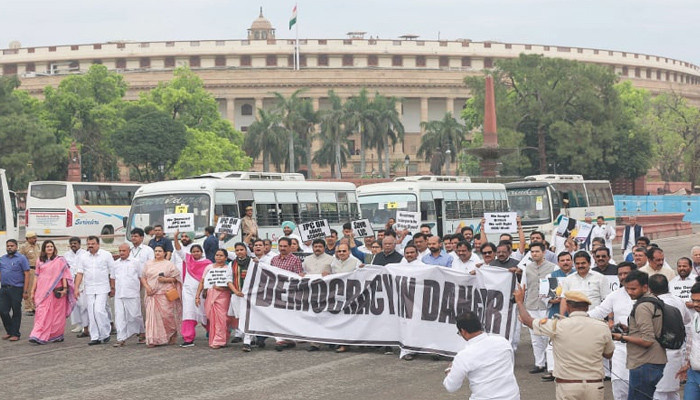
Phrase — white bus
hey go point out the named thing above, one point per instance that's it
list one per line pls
(57, 208)
(445, 202)
(541, 200)
(9, 227)
(275, 198)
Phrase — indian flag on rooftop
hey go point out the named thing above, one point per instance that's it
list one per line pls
(293, 19)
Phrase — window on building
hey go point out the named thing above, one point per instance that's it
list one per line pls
(245, 61)
(97, 46)
(121, 63)
(322, 60)
(466, 61)
(397, 61)
(121, 45)
(444, 61)
(420, 61)
(246, 109)
(52, 48)
(145, 62)
(30, 67)
(194, 61)
(348, 60)
(220, 61)
(658, 75)
(271, 60)
(9, 69)
(625, 71)
(322, 41)
(169, 44)
(74, 47)
(488, 62)
(637, 73)
(372, 60)
(487, 45)
(648, 74)
(169, 62)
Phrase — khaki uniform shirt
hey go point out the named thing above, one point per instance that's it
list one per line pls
(31, 252)
(249, 228)
(579, 343)
(645, 323)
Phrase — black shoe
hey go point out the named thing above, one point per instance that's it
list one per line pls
(548, 377)
(105, 340)
(388, 350)
(313, 348)
(94, 342)
(607, 378)
(246, 348)
(82, 335)
(280, 346)
(29, 313)
(237, 339)
(538, 370)
(187, 344)
(260, 342)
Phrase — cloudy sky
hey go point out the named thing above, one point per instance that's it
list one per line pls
(659, 27)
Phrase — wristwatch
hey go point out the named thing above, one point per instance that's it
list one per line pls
(622, 340)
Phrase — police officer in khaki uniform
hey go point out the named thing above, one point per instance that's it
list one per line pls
(31, 250)
(249, 228)
(579, 344)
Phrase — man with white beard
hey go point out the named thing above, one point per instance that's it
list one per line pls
(619, 304)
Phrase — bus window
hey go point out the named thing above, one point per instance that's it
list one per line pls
(354, 213)
(378, 208)
(343, 209)
(465, 205)
(427, 206)
(451, 206)
(48, 191)
(266, 208)
(575, 193)
(599, 194)
(329, 206)
(489, 201)
(501, 201)
(225, 204)
(308, 206)
(531, 204)
(477, 204)
(289, 207)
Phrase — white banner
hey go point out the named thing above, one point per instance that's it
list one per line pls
(407, 306)
(178, 222)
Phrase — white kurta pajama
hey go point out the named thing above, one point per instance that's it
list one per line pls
(79, 314)
(96, 269)
(128, 319)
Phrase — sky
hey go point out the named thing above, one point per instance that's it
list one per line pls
(668, 28)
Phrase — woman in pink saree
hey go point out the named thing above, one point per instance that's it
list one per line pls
(53, 294)
(217, 302)
(163, 316)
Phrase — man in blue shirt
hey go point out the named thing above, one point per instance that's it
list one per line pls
(14, 277)
(159, 239)
(211, 243)
(437, 256)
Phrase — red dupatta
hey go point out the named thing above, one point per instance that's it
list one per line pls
(195, 268)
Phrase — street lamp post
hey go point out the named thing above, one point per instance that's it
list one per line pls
(406, 162)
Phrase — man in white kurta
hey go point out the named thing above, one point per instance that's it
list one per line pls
(128, 319)
(605, 231)
(79, 315)
(669, 386)
(94, 268)
(343, 262)
(142, 253)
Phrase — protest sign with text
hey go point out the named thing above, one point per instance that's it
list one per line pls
(362, 228)
(314, 230)
(178, 222)
(228, 225)
(407, 306)
(216, 277)
(505, 222)
(409, 220)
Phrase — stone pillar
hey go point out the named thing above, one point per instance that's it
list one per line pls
(450, 106)
(315, 103)
(258, 105)
(231, 110)
(423, 112)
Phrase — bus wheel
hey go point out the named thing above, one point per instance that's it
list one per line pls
(107, 230)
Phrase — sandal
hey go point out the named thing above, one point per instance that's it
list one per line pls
(341, 349)
(82, 335)
(119, 343)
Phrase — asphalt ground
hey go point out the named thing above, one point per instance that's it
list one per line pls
(74, 370)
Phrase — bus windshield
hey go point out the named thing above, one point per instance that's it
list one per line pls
(378, 208)
(531, 204)
(150, 210)
(48, 191)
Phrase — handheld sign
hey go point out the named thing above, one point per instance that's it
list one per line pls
(681, 289)
(178, 222)
(314, 230)
(584, 229)
(505, 222)
(362, 228)
(408, 220)
(228, 225)
(215, 277)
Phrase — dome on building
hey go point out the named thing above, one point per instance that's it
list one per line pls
(261, 28)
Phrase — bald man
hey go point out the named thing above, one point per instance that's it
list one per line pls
(127, 297)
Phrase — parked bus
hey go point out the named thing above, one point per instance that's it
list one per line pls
(9, 226)
(445, 202)
(275, 198)
(57, 208)
(541, 200)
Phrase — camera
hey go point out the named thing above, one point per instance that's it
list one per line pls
(617, 328)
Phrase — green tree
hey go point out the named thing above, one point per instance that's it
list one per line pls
(389, 130)
(150, 142)
(290, 108)
(29, 150)
(266, 136)
(334, 137)
(207, 152)
(441, 136)
(361, 118)
(85, 109)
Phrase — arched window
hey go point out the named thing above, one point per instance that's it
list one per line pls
(247, 109)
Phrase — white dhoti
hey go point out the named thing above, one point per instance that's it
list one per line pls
(79, 315)
(190, 311)
(235, 309)
(127, 317)
(619, 375)
(539, 342)
(668, 387)
(97, 316)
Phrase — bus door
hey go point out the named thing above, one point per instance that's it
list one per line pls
(438, 198)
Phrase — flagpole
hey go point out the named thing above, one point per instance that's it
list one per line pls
(296, 50)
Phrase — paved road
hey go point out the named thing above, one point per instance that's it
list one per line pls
(73, 370)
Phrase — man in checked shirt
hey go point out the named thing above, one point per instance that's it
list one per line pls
(287, 261)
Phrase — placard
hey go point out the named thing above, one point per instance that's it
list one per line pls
(228, 225)
(584, 229)
(362, 228)
(408, 220)
(681, 289)
(216, 277)
(505, 222)
(314, 230)
(178, 222)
